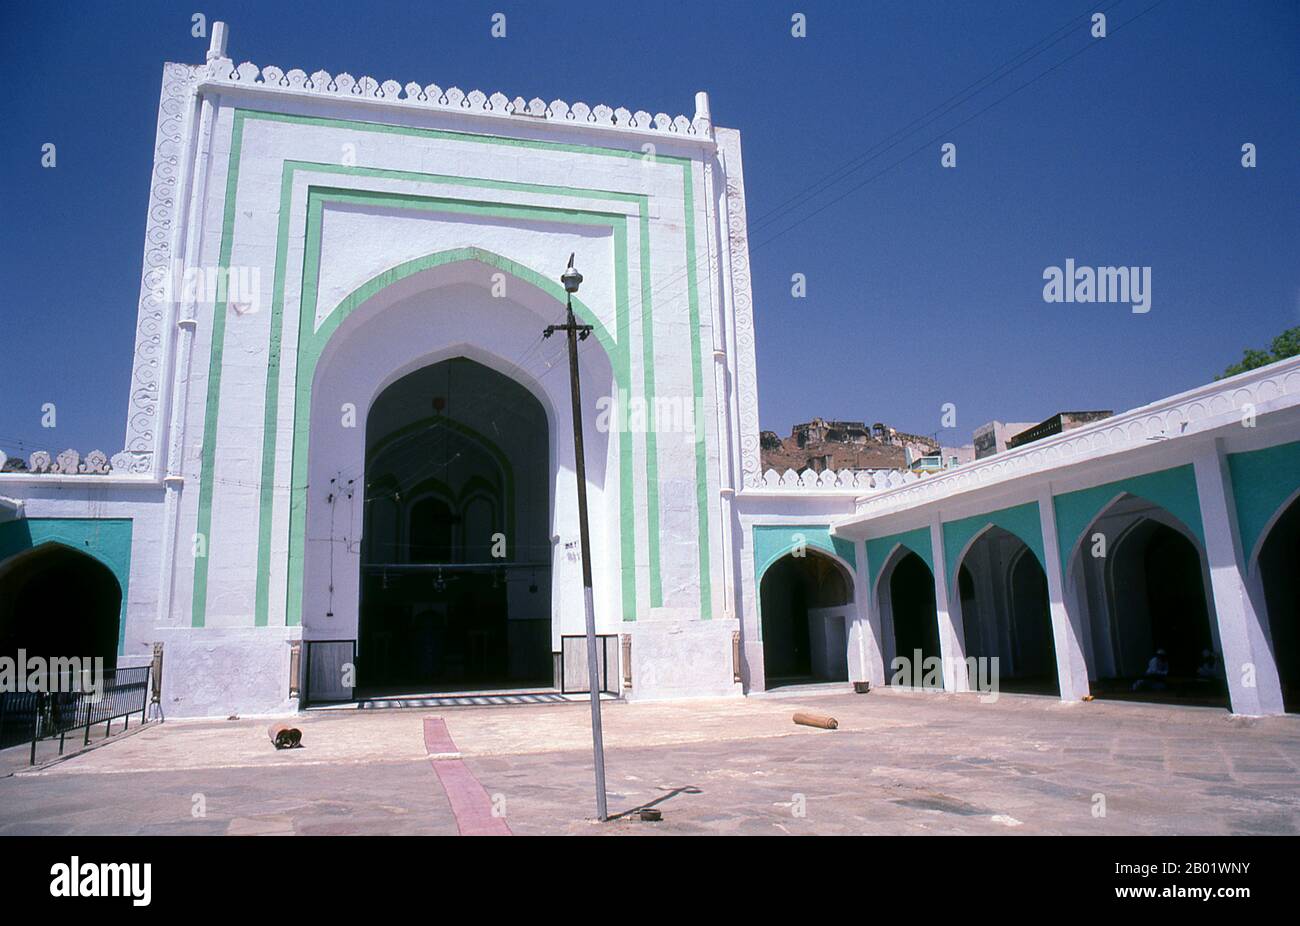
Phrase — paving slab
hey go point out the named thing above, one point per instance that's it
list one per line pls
(900, 763)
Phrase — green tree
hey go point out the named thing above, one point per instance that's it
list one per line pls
(1286, 344)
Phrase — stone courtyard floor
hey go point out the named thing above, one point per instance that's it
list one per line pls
(900, 763)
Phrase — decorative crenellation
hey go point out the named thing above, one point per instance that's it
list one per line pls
(222, 70)
(1239, 399)
(70, 463)
(854, 480)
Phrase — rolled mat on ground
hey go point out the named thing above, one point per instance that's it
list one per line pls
(285, 736)
(824, 721)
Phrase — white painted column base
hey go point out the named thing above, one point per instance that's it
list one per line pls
(952, 645)
(1253, 682)
(866, 651)
(1067, 638)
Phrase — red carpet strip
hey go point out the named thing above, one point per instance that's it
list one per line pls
(470, 803)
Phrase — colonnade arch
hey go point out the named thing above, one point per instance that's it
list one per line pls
(1275, 575)
(1139, 577)
(909, 627)
(57, 601)
(805, 610)
(1001, 591)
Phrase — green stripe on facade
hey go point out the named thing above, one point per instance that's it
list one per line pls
(697, 375)
(1262, 481)
(106, 540)
(312, 343)
(1020, 520)
(878, 549)
(773, 541)
(1172, 489)
(198, 610)
(651, 444)
(214, 371)
(271, 408)
(266, 516)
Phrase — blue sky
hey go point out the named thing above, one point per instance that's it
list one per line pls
(924, 284)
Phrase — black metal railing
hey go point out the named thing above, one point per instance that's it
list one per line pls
(36, 716)
(17, 717)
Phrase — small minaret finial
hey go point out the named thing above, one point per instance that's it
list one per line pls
(702, 105)
(217, 48)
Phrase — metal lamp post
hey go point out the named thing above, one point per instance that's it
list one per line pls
(572, 279)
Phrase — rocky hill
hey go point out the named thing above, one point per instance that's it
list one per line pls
(823, 444)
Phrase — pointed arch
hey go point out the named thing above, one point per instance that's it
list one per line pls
(324, 349)
(59, 600)
(1275, 584)
(805, 607)
(1144, 596)
(1000, 593)
(904, 592)
(106, 540)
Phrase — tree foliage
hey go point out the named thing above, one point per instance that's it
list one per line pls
(1286, 344)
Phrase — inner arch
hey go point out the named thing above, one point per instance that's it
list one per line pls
(455, 559)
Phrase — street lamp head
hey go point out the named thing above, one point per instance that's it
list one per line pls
(571, 278)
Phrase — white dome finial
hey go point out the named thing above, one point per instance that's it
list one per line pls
(702, 106)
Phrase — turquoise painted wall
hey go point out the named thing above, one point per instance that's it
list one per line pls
(878, 549)
(108, 540)
(1173, 489)
(1020, 520)
(1262, 480)
(772, 541)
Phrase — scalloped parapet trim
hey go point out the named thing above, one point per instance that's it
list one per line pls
(71, 463)
(431, 96)
(1237, 399)
(836, 480)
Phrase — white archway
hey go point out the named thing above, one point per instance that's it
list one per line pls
(438, 314)
(1000, 590)
(920, 628)
(1106, 578)
(806, 607)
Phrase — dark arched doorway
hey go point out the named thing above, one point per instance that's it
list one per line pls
(59, 602)
(455, 591)
(803, 609)
(907, 607)
(1141, 578)
(1005, 612)
(1279, 568)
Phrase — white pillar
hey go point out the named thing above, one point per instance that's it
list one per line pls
(217, 45)
(1067, 638)
(1242, 632)
(866, 650)
(952, 647)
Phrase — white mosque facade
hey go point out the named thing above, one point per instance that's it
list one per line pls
(349, 466)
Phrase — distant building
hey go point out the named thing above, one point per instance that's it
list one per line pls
(956, 456)
(992, 438)
(941, 459)
(822, 444)
(838, 432)
(1057, 424)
